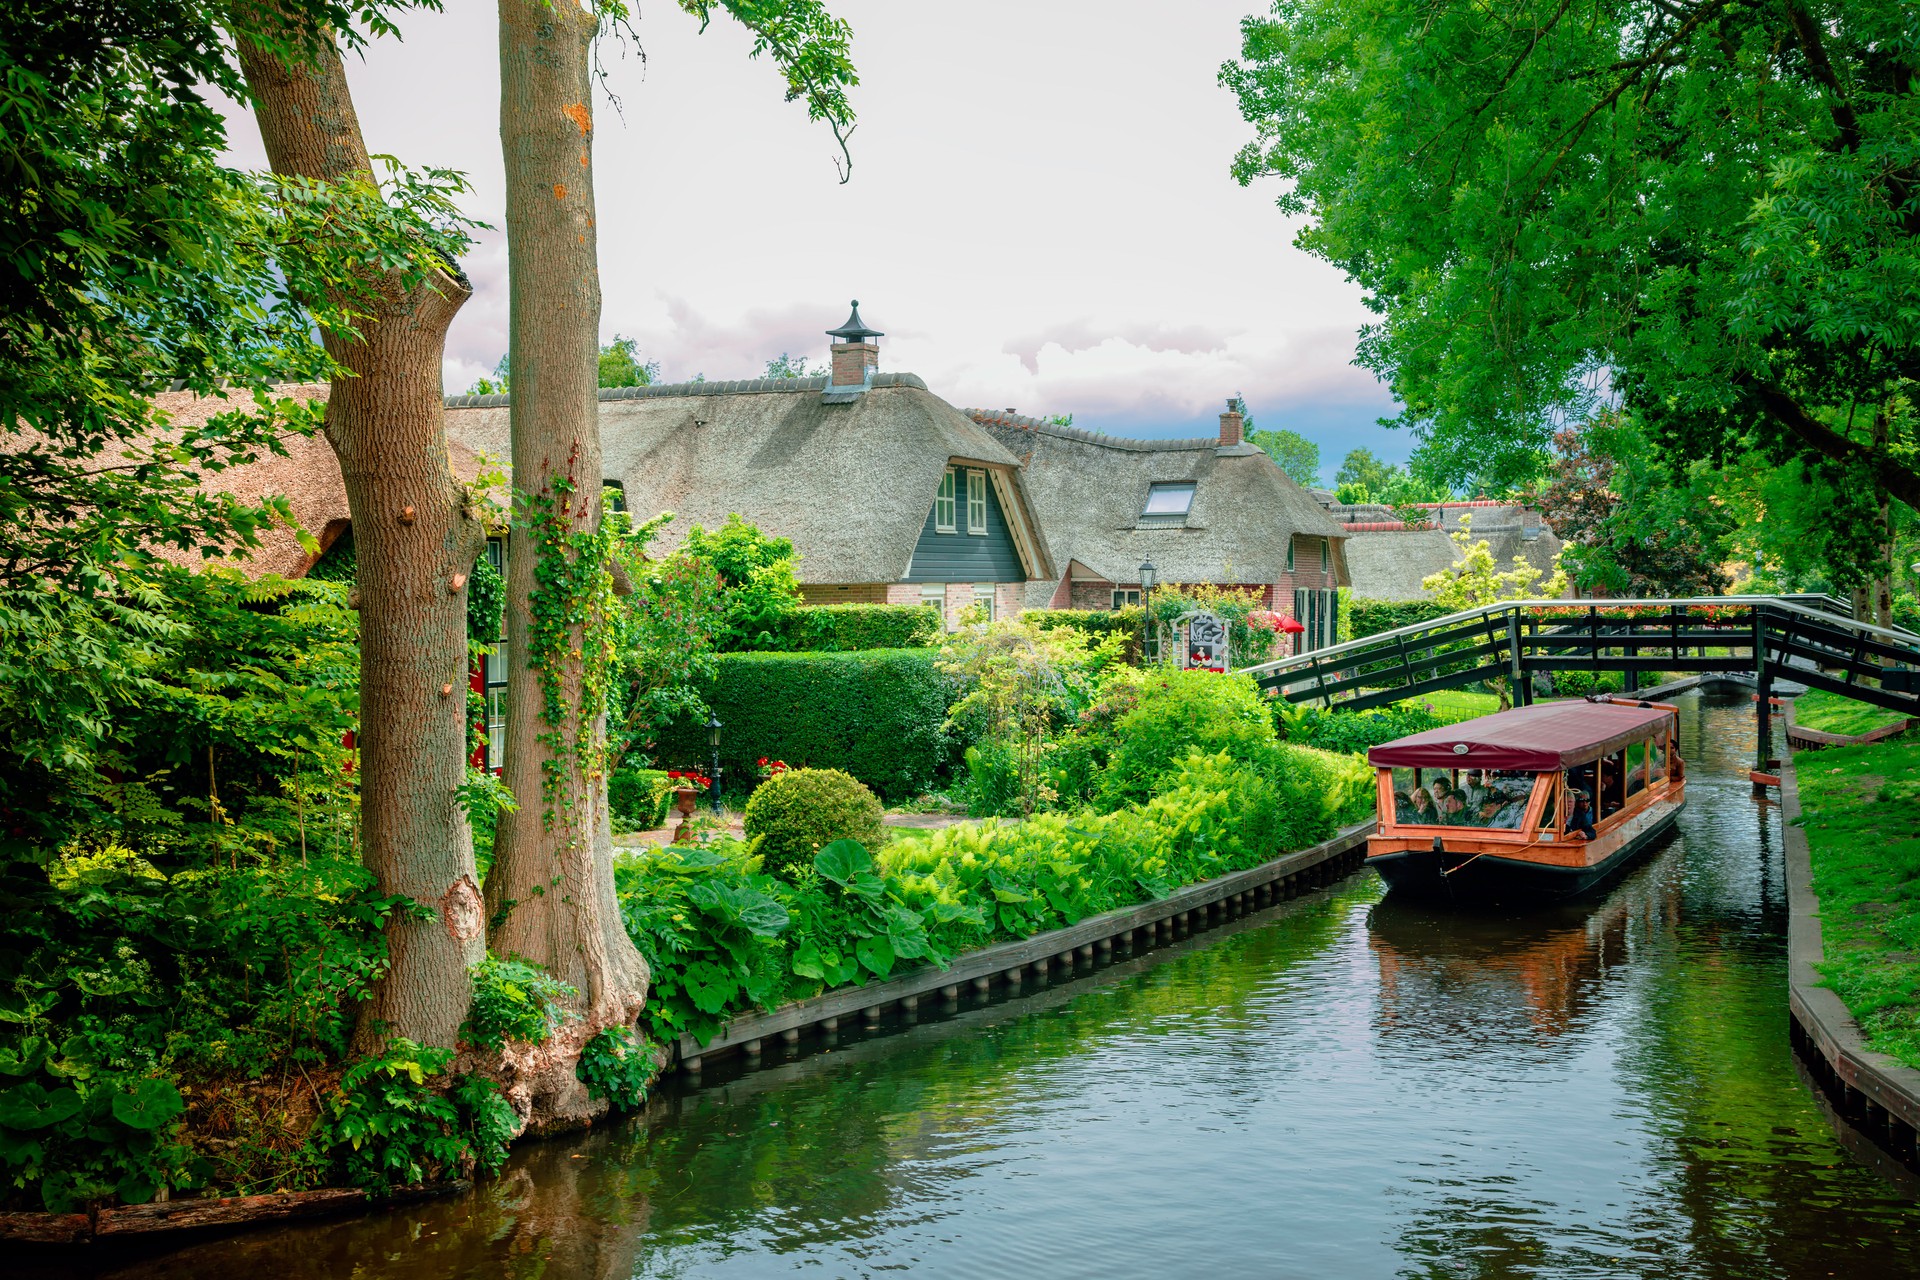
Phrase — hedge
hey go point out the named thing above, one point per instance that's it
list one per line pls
(846, 628)
(876, 714)
(1371, 617)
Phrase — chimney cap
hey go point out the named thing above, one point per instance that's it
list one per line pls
(855, 329)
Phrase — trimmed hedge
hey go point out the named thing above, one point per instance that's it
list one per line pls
(799, 812)
(848, 628)
(1371, 617)
(875, 714)
(639, 799)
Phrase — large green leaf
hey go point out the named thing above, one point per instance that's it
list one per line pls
(31, 1106)
(876, 954)
(842, 860)
(149, 1104)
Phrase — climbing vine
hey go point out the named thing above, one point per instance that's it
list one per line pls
(568, 613)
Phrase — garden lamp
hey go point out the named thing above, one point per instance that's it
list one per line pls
(1146, 606)
(713, 740)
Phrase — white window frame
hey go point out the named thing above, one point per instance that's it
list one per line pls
(985, 595)
(1186, 488)
(977, 503)
(933, 595)
(945, 517)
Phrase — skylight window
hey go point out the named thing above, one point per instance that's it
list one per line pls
(1169, 498)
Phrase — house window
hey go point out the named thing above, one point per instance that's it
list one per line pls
(1289, 555)
(1168, 500)
(1123, 597)
(943, 505)
(977, 502)
(983, 597)
(1326, 555)
(1319, 613)
(934, 594)
(493, 671)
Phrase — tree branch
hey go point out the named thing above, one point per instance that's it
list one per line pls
(1902, 482)
(1807, 32)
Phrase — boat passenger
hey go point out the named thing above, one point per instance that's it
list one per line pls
(1581, 819)
(1402, 807)
(1421, 807)
(1446, 802)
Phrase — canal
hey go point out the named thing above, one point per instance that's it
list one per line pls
(1340, 1087)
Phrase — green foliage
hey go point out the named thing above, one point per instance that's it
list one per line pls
(1634, 527)
(876, 714)
(787, 366)
(1347, 732)
(813, 50)
(1296, 455)
(1371, 617)
(1475, 580)
(663, 634)
(395, 1121)
(1017, 683)
(640, 799)
(756, 574)
(841, 628)
(618, 1066)
(797, 813)
(486, 602)
(621, 366)
(1703, 213)
(1179, 712)
(702, 918)
(513, 1000)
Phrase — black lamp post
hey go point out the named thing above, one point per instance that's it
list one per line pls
(1146, 607)
(713, 740)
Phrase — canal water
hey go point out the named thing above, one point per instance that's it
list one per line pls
(1341, 1087)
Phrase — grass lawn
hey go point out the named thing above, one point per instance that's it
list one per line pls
(1861, 811)
(1831, 713)
(1455, 705)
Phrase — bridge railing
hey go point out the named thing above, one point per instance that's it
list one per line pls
(1813, 635)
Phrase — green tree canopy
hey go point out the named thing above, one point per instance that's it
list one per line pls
(1703, 210)
(1298, 456)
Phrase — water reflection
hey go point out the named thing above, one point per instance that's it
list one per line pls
(1345, 1087)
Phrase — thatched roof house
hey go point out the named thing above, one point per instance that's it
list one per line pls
(1213, 509)
(888, 492)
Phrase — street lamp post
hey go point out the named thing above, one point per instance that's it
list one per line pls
(1146, 607)
(713, 741)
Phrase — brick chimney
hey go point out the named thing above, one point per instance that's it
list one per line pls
(855, 355)
(1232, 425)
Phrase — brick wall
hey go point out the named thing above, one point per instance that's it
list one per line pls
(1090, 595)
(851, 360)
(848, 593)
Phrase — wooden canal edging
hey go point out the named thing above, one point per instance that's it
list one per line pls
(1197, 906)
(1877, 1095)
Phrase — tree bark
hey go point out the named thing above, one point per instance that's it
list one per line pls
(550, 891)
(414, 533)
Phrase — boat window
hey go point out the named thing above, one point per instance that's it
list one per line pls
(1613, 783)
(1496, 798)
(1405, 782)
(1637, 767)
(1581, 814)
(1657, 769)
(1547, 819)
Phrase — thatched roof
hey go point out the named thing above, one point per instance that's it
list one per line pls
(850, 483)
(1089, 491)
(1389, 562)
(308, 476)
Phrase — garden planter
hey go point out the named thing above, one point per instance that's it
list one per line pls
(685, 799)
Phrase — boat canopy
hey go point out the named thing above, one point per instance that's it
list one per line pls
(1541, 738)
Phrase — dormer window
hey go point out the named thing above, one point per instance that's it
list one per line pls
(977, 503)
(1168, 501)
(945, 517)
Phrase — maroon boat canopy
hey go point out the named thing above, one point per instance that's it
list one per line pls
(1551, 735)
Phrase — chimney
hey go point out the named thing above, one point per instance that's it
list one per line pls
(1231, 424)
(855, 355)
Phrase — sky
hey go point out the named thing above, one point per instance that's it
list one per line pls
(1040, 215)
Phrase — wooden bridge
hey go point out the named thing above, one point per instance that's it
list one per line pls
(1810, 639)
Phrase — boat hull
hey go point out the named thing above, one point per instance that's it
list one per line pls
(1464, 875)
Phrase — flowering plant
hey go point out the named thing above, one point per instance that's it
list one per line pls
(690, 778)
(772, 768)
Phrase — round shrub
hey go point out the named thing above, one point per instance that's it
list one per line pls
(1180, 712)
(798, 812)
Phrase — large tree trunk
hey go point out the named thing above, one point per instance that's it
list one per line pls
(416, 540)
(550, 892)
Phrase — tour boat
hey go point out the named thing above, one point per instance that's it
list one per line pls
(1541, 801)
